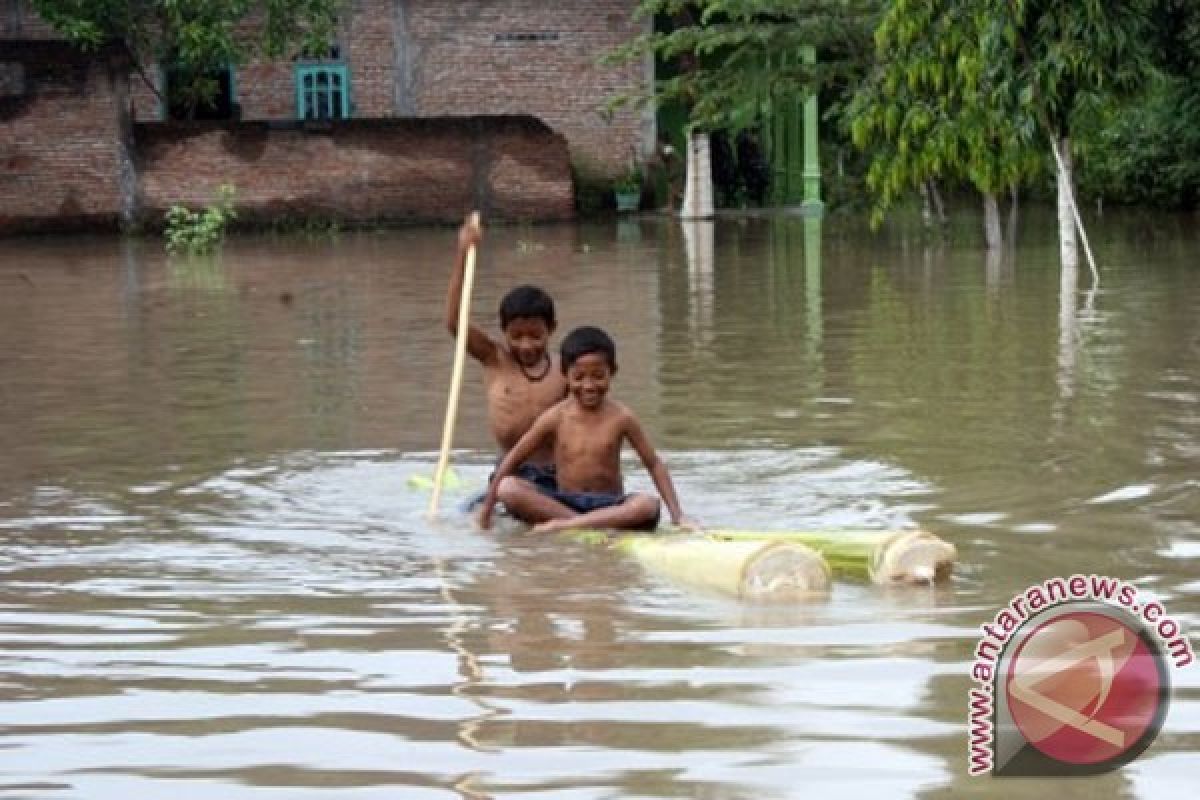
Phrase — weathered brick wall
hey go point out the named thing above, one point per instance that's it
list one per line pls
(58, 140)
(368, 43)
(361, 170)
(146, 105)
(432, 58)
(267, 90)
(18, 21)
(425, 59)
(529, 57)
(19, 24)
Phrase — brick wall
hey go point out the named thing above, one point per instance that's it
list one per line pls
(146, 105)
(431, 58)
(267, 90)
(368, 44)
(530, 57)
(361, 170)
(18, 21)
(58, 140)
(425, 59)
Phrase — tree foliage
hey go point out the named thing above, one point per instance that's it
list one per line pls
(931, 109)
(974, 89)
(1145, 149)
(737, 59)
(1059, 57)
(196, 36)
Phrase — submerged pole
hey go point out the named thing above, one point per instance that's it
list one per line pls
(812, 169)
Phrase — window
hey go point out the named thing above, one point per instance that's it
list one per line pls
(199, 95)
(322, 91)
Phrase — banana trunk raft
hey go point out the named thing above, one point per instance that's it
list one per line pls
(882, 557)
(784, 566)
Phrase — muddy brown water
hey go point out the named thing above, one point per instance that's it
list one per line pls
(214, 582)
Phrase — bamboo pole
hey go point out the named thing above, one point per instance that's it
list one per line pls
(1065, 178)
(460, 356)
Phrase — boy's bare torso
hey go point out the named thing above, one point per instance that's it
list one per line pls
(514, 401)
(587, 447)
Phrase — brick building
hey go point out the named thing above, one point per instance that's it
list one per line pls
(452, 78)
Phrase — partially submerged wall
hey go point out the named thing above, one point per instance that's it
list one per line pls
(360, 171)
(58, 139)
(59, 167)
(434, 58)
(62, 164)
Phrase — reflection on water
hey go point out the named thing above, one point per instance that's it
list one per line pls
(216, 583)
(698, 237)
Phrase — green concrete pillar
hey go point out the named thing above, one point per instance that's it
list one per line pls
(812, 169)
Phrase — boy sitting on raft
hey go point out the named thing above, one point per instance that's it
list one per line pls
(586, 431)
(519, 375)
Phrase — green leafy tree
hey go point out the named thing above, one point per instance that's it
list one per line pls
(1062, 59)
(1061, 56)
(1145, 149)
(738, 58)
(735, 61)
(929, 110)
(195, 36)
(973, 83)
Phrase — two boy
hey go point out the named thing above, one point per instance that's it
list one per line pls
(560, 433)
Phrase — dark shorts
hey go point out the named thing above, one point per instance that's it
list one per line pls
(545, 480)
(583, 502)
(540, 475)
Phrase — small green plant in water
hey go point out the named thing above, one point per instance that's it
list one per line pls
(196, 232)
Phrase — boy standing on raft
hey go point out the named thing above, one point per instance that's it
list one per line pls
(586, 431)
(519, 375)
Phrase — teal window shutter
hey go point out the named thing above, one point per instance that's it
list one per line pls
(322, 91)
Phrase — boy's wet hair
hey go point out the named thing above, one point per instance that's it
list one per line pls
(588, 339)
(528, 302)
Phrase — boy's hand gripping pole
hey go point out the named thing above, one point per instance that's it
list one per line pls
(460, 355)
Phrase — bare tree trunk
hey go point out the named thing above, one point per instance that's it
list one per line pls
(993, 269)
(1068, 237)
(698, 193)
(939, 206)
(1068, 331)
(1014, 197)
(926, 208)
(992, 230)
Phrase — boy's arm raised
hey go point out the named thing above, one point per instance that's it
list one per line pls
(543, 427)
(658, 471)
(479, 344)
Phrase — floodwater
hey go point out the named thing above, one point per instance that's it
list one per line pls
(215, 582)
